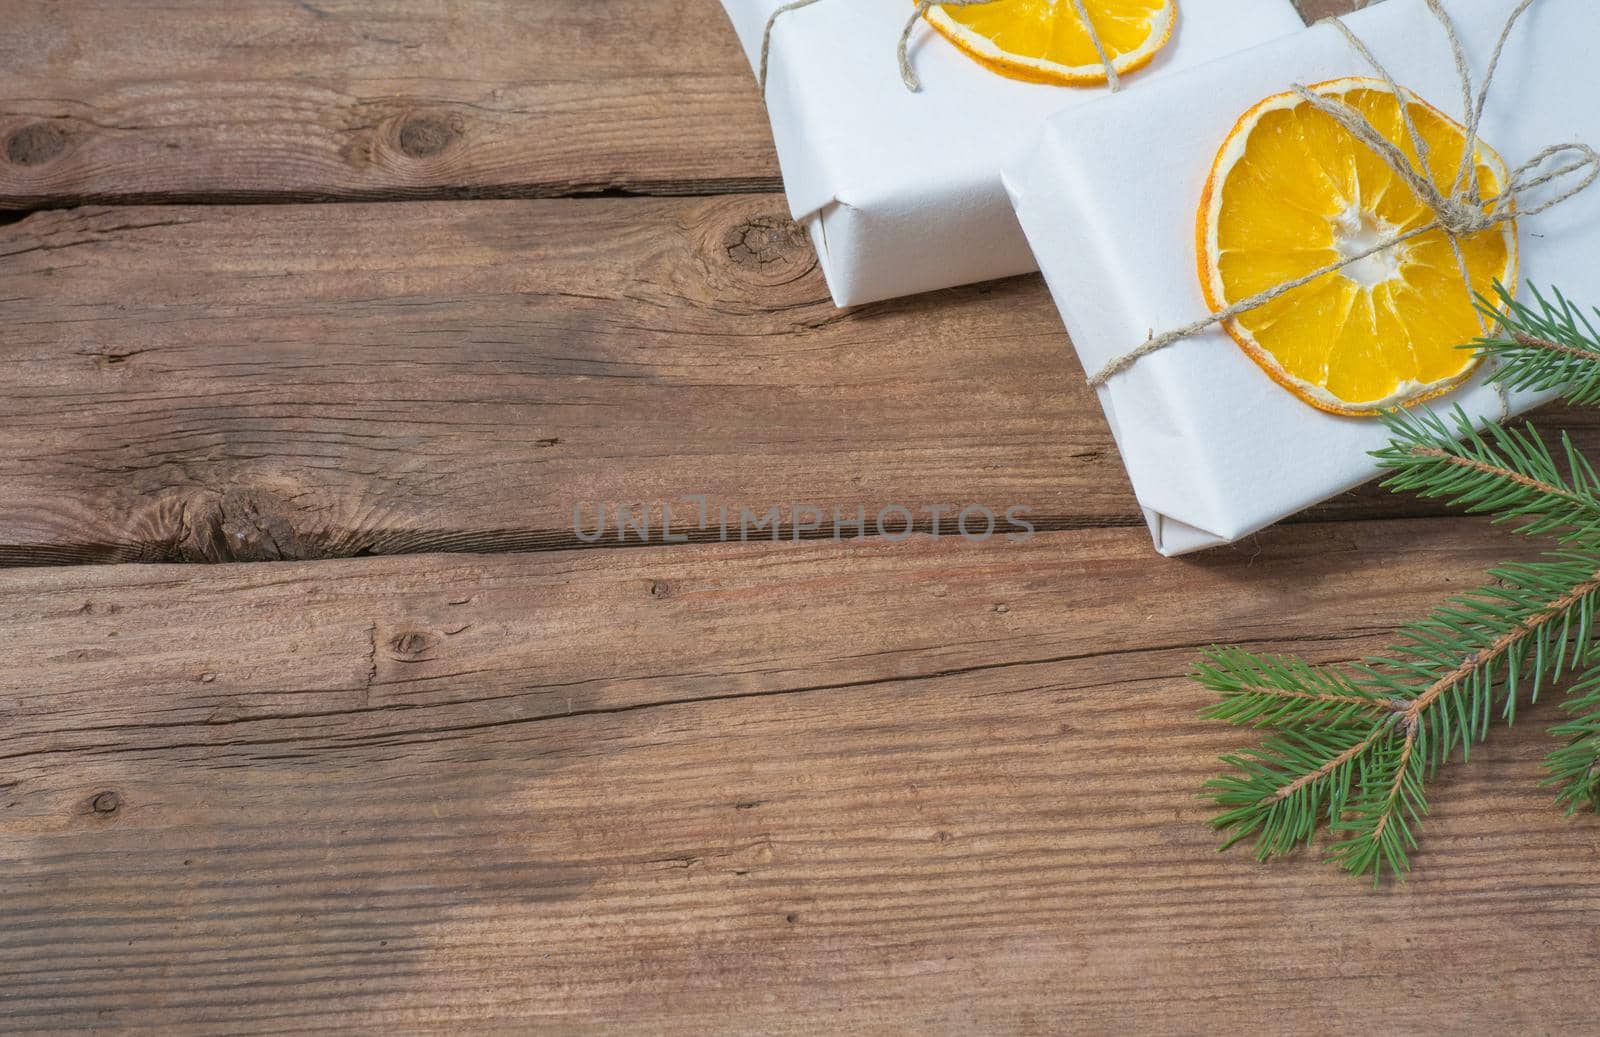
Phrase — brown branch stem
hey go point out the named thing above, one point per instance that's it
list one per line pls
(1522, 338)
(1488, 469)
(1502, 644)
(1306, 696)
(1413, 728)
(1328, 768)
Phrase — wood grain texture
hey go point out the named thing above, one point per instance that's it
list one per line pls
(258, 383)
(289, 99)
(303, 381)
(928, 785)
(284, 100)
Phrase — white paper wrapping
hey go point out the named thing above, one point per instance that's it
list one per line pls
(1107, 196)
(901, 192)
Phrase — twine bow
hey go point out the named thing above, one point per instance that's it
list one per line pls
(908, 74)
(1461, 212)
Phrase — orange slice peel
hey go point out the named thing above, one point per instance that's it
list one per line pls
(1290, 192)
(1044, 41)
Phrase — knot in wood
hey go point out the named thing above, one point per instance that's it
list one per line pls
(255, 526)
(236, 524)
(105, 803)
(427, 135)
(412, 644)
(764, 242)
(35, 144)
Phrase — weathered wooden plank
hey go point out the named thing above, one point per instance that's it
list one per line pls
(306, 381)
(287, 99)
(926, 785)
(254, 100)
(299, 381)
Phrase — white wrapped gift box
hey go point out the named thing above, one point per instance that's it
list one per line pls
(1108, 194)
(901, 191)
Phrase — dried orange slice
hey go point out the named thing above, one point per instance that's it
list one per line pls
(1044, 41)
(1292, 191)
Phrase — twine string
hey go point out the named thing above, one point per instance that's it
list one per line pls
(1461, 213)
(1113, 81)
(766, 38)
(908, 73)
(1422, 185)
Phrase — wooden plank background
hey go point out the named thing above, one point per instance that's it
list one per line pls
(500, 778)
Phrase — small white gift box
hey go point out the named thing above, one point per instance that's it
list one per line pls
(1108, 193)
(901, 191)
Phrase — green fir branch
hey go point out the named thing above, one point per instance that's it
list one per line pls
(1352, 748)
(1543, 345)
(1360, 764)
(1575, 767)
(1507, 472)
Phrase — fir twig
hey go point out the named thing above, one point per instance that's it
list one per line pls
(1352, 748)
(1506, 472)
(1575, 767)
(1360, 768)
(1548, 344)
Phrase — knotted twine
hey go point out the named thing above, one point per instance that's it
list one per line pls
(1461, 213)
(908, 75)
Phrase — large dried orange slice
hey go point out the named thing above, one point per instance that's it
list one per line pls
(1293, 191)
(1044, 41)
